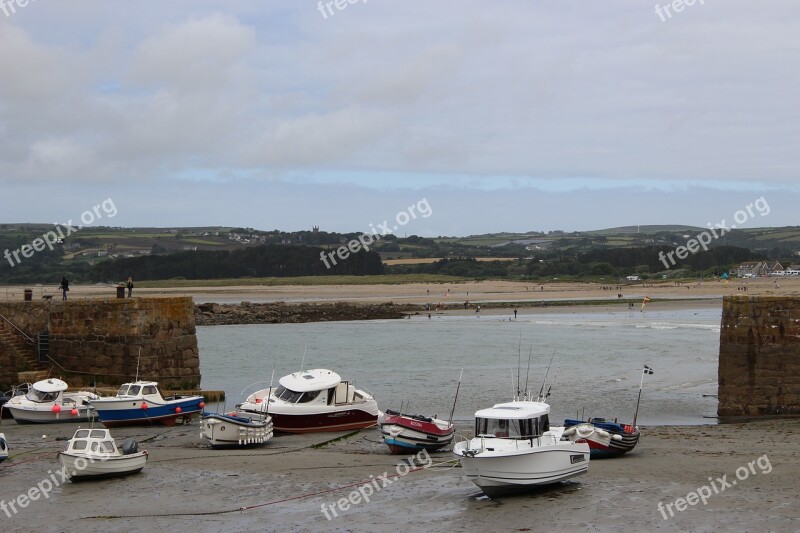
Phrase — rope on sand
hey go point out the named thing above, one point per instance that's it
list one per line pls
(274, 502)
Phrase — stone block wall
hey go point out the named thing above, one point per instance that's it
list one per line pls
(759, 356)
(101, 340)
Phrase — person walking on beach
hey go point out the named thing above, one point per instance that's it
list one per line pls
(130, 286)
(64, 287)
(515, 314)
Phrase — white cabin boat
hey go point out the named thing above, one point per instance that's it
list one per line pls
(93, 454)
(140, 403)
(312, 401)
(236, 429)
(48, 402)
(515, 448)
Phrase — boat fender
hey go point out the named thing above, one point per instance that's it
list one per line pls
(616, 437)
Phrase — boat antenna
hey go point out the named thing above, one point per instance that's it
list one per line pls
(541, 389)
(528, 371)
(645, 371)
(303, 360)
(453, 410)
(269, 395)
(519, 361)
(513, 397)
(138, 358)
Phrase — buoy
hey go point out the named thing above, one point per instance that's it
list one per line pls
(144, 406)
(178, 410)
(74, 412)
(202, 404)
(56, 408)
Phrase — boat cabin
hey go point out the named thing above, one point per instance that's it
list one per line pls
(317, 386)
(45, 391)
(94, 442)
(514, 420)
(147, 390)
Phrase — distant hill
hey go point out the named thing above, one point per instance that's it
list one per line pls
(647, 229)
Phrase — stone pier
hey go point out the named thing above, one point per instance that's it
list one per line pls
(100, 341)
(759, 356)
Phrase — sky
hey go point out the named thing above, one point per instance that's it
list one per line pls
(504, 116)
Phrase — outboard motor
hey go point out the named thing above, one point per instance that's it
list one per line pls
(129, 446)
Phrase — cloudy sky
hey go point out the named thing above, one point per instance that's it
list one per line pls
(505, 115)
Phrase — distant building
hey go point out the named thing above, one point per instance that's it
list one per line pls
(752, 269)
(315, 229)
(632, 278)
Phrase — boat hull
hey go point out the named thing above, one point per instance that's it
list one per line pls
(124, 412)
(28, 415)
(348, 419)
(224, 431)
(403, 434)
(502, 473)
(3, 448)
(83, 467)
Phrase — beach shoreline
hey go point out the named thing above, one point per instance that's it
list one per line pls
(286, 484)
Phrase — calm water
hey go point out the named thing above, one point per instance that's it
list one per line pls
(597, 363)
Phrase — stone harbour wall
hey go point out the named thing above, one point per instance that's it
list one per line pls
(100, 340)
(759, 356)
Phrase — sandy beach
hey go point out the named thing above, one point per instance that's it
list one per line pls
(476, 292)
(189, 487)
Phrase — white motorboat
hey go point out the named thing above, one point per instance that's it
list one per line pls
(236, 429)
(93, 454)
(48, 402)
(312, 401)
(3, 448)
(515, 448)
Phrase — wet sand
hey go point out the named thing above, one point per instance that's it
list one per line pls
(287, 482)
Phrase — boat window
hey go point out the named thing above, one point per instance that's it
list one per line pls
(39, 396)
(94, 446)
(288, 395)
(309, 396)
(98, 433)
(82, 433)
(134, 390)
(501, 427)
(331, 392)
(123, 390)
(149, 389)
(544, 423)
(107, 446)
(79, 445)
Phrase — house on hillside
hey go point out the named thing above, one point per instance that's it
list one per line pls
(752, 269)
(792, 270)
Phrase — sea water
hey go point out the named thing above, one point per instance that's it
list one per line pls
(597, 361)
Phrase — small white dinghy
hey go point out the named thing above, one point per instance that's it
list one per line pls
(93, 454)
(236, 429)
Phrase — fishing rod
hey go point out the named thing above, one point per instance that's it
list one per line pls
(519, 361)
(269, 395)
(544, 381)
(528, 371)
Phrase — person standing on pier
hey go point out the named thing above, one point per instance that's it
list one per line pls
(130, 286)
(64, 287)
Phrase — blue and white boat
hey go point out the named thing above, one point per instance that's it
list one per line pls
(140, 403)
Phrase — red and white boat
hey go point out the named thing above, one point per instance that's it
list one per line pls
(314, 401)
(410, 433)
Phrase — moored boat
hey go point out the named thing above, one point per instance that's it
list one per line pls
(236, 429)
(93, 454)
(48, 402)
(140, 403)
(3, 448)
(410, 433)
(314, 401)
(606, 438)
(515, 448)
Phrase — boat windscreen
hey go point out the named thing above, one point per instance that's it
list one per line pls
(287, 395)
(39, 396)
(308, 396)
(516, 428)
(123, 390)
